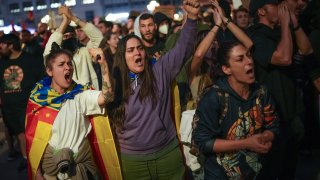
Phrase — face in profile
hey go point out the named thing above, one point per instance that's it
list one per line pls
(135, 55)
(61, 71)
(147, 29)
(271, 13)
(241, 66)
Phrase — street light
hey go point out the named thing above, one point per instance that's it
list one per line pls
(152, 5)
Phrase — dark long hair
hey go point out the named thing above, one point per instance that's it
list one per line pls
(121, 84)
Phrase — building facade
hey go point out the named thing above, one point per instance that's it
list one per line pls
(29, 12)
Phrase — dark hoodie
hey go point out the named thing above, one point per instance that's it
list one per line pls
(242, 119)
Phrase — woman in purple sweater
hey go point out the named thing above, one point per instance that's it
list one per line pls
(141, 112)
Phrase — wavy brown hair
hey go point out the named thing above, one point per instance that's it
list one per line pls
(121, 84)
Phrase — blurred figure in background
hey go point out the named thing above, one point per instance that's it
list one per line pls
(163, 23)
(241, 17)
(20, 71)
(105, 27)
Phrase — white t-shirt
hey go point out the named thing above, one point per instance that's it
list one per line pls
(72, 124)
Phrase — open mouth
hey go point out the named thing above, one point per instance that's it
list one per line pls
(138, 61)
(250, 71)
(67, 76)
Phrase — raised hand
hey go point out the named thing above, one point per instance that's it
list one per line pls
(216, 5)
(97, 55)
(283, 14)
(216, 17)
(63, 10)
(192, 8)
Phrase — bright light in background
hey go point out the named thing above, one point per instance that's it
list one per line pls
(15, 10)
(70, 2)
(28, 9)
(236, 4)
(152, 5)
(39, 7)
(1, 22)
(8, 29)
(178, 16)
(117, 17)
(88, 1)
(45, 19)
(55, 5)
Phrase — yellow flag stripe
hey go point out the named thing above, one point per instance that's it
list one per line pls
(39, 144)
(106, 144)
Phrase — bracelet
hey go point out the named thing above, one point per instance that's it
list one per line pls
(219, 27)
(228, 21)
(296, 28)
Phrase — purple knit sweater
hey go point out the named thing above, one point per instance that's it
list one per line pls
(147, 129)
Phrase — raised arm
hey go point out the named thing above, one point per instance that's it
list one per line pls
(236, 31)
(204, 45)
(302, 39)
(58, 34)
(89, 29)
(283, 54)
(171, 62)
(107, 94)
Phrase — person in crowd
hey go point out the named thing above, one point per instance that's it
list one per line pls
(148, 31)
(117, 28)
(30, 45)
(235, 122)
(307, 78)
(43, 34)
(202, 70)
(273, 52)
(105, 27)
(241, 17)
(141, 111)
(19, 72)
(130, 23)
(109, 46)
(163, 23)
(84, 70)
(60, 125)
(207, 43)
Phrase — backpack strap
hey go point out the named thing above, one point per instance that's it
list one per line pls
(259, 101)
(223, 102)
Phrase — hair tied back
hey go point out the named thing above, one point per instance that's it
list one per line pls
(55, 47)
